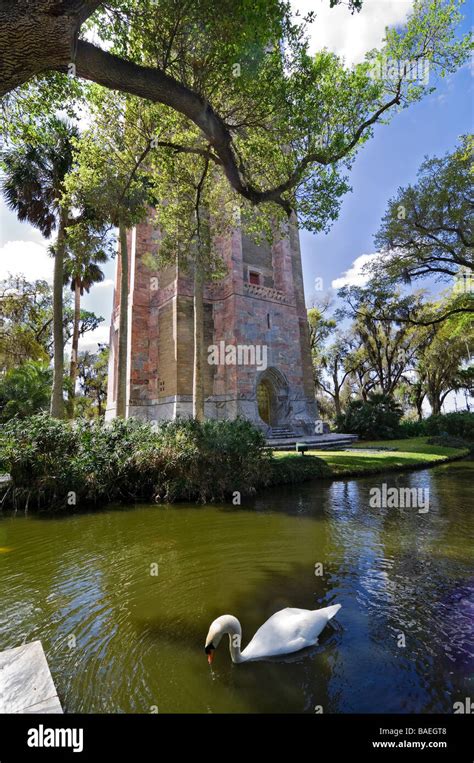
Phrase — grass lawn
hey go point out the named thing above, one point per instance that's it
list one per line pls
(397, 455)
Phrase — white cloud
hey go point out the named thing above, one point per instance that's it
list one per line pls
(355, 275)
(107, 283)
(352, 35)
(100, 335)
(28, 258)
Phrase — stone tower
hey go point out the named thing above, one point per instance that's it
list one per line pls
(256, 336)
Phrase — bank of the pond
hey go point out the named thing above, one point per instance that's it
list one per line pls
(363, 458)
(58, 467)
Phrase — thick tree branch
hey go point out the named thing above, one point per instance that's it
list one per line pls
(415, 322)
(112, 72)
(205, 153)
(115, 73)
(45, 35)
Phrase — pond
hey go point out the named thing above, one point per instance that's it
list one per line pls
(121, 638)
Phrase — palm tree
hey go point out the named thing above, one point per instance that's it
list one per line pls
(33, 186)
(81, 273)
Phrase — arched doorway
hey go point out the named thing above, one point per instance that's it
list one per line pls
(272, 397)
(264, 402)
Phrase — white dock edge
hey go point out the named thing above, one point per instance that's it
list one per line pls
(26, 684)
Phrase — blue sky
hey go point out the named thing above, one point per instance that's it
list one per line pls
(389, 160)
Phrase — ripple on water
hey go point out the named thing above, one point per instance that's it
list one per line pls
(120, 639)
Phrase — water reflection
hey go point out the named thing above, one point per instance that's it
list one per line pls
(120, 639)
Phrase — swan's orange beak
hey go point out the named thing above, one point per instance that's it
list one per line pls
(210, 649)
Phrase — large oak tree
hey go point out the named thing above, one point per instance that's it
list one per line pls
(243, 76)
(427, 230)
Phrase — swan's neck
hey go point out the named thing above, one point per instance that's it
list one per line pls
(234, 629)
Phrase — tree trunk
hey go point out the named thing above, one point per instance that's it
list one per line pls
(38, 35)
(57, 400)
(122, 360)
(363, 390)
(435, 403)
(419, 409)
(336, 396)
(75, 340)
(198, 380)
(419, 399)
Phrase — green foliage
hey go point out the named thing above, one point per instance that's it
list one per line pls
(401, 344)
(294, 121)
(354, 5)
(209, 460)
(450, 441)
(128, 460)
(412, 428)
(86, 249)
(427, 228)
(384, 347)
(88, 321)
(456, 424)
(198, 205)
(109, 178)
(378, 416)
(25, 109)
(39, 454)
(281, 124)
(26, 318)
(25, 390)
(445, 363)
(25, 321)
(34, 172)
(92, 372)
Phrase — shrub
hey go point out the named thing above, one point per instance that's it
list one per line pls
(58, 464)
(454, 424)
(457, 424)
(411, 429)
(449, 441)
(39, 454)
(376, 418)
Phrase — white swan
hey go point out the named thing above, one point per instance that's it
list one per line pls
(288, 630)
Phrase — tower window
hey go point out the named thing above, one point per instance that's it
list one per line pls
(254, 277)
(268, 321)
(161, 386)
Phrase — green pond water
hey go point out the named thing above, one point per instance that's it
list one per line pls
(119, 639)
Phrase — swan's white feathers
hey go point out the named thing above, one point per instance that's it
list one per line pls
(288, 630)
